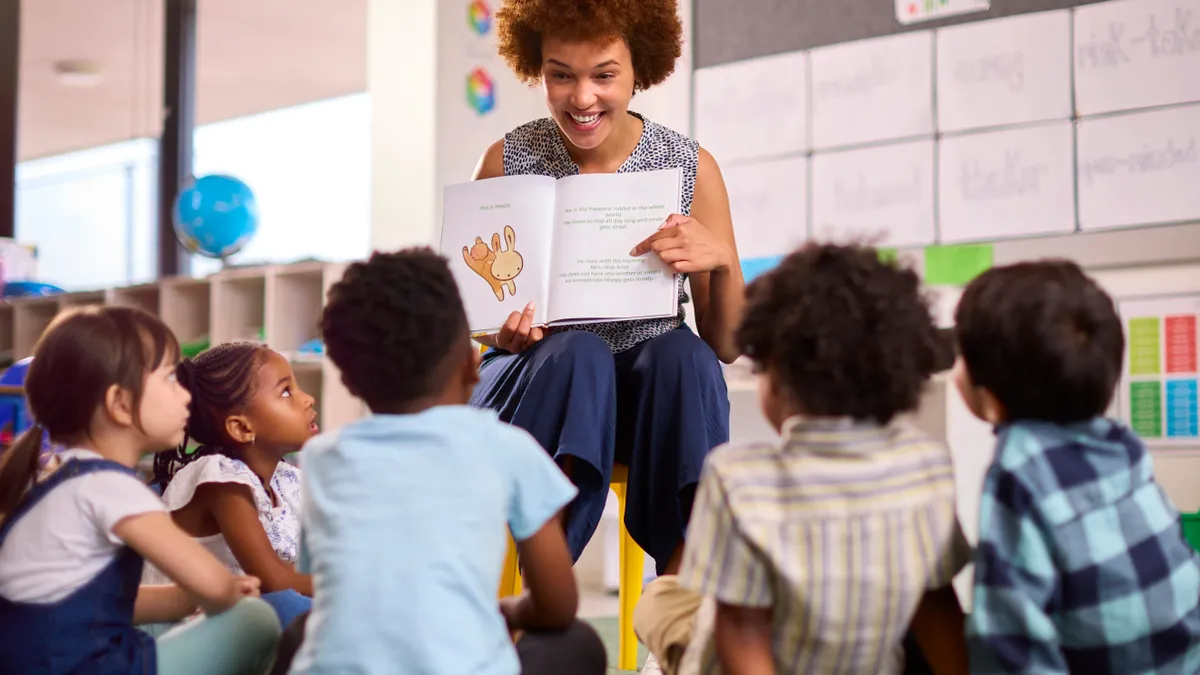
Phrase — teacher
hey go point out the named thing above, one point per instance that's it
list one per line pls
(649, 394)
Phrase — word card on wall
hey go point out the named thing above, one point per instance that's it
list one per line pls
(1045, 123)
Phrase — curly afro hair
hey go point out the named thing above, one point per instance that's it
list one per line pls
(842, 333)
(651, 29)
(390, 325)
(1043, 338)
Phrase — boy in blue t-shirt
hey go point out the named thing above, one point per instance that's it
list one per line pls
(407, 512)
(1081, 565)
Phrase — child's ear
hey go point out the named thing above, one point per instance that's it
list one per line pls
(239, 429)
(118, 405)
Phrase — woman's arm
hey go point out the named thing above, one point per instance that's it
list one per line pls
(718, 295)
(232, 506)
(162, 604)
(160, 541)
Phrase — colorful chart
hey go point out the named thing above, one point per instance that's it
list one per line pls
(1160, 390)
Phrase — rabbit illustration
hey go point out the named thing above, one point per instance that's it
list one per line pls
(508, 262)
(480, 259)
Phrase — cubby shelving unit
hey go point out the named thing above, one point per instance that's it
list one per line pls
(278, 304)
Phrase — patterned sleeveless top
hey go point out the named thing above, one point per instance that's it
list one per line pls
(536, 148)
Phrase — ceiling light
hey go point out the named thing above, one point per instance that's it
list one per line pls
(78, 72)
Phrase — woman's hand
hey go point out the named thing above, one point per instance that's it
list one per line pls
(518, 333)
(686, 246)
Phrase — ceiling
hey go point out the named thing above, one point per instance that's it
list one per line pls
(251, 57)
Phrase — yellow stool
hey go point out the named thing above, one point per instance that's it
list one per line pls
(632, 567)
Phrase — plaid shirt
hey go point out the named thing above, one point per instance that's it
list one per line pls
(840, 530)
(1081, 565)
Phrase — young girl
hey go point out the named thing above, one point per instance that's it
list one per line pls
(72, 539)
(234, 493)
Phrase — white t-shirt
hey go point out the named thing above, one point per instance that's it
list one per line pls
(66, 539)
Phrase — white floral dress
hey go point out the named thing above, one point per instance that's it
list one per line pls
(280, 521)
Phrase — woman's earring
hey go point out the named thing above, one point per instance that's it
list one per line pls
(252, 440)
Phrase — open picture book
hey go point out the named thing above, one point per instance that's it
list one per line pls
(562, 244)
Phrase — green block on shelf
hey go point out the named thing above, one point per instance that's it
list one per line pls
(888, 256)
(190, 350)
(1191, 529)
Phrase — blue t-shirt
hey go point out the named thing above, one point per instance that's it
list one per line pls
(405, 524)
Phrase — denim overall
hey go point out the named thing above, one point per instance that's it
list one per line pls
(91, 630)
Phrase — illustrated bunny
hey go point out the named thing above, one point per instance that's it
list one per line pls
(508, 262)
(480, 259)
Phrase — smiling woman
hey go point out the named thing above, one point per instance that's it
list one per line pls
(649, 394)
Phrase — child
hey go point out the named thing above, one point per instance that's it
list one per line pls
(407, 513)
(235, 494)
(72, 541)
(1081, 565)
(816, 553)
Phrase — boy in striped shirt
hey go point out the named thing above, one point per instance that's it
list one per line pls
(817, 553)
(1081, 565)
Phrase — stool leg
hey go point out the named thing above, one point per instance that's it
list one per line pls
(510, 578)
(633, 561)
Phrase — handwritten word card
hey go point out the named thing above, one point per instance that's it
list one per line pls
(883, 194)
(1004, 71)
(1010, 183)
(872, 90)
(1139, 169)
(753, 109)
(1158, 394)
(769, 205)
(1136, 53)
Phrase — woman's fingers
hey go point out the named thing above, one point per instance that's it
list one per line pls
(517, 333)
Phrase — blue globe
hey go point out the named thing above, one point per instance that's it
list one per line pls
(216, 216)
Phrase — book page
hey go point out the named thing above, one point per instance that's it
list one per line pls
(599, 218)
(496, 234)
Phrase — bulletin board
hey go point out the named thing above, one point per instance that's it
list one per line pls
(1049, 127)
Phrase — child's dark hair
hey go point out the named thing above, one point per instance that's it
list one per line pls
(221, 382)
(843, 333)
(390, 323)
(1043, 338)
(84, 352)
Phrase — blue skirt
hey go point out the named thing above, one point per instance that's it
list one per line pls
(658, 408)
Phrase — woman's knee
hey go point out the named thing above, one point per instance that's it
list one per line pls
(577, 347)
(680, 350)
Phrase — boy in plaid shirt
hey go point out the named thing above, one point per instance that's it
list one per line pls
(1081, 564)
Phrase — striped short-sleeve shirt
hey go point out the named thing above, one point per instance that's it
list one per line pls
(840, 528)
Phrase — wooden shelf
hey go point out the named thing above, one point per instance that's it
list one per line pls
(279, 304)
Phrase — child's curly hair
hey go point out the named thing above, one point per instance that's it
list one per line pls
(843, 333)
(651, 29)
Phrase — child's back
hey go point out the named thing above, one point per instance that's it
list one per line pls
(408, 531)
(1081, 564)
(817, 553)
(407, 513)
(848, 525)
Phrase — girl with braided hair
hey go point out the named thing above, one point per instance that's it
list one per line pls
(234, 493)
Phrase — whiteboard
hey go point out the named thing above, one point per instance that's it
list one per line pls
(872, 90)
(1139, 168)
(1136, 53)
(753, 109)
(1010, 183)
(883, 193)
(768, 201)
(1005, 71)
